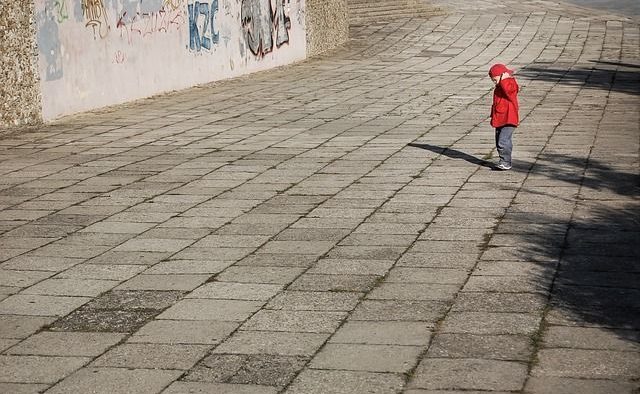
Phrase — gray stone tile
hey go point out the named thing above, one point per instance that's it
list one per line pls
(152, 356)
(365, 252)
(72, 287)
(73, 251)
(222, 254)
(219, 388)
(167, 282)
(405, 333)
(153, 245)
(183, 332)
(295, 321)
(314, 301)
(351, 267)
(427, 275)
(438, 260)
(337, 283)
(373, 358)
(244, 274)
(7, 343)
(142, 258)
(38, 369)
(515, 284)
(19, 327)
(115, 272)
(590, 338)
(97, 320)
(552, 385)
(312, 381)
(404, 310)
(40, 305)
(22, 388)
(499, 302)
(469, 374)
(425, 391)
(236, 291)
(116, 380)
(490, 323)
(67, 344)
(136, 300)
(113, 227)
(211, 309)
(312, 234)
(40, 263)
(264, 342)
(258, 369)
(413, 291)
(363, 239)
(496, 347)
(314, 248)
(587, 364)
(22, 278)
(278, 260)
(188, 267)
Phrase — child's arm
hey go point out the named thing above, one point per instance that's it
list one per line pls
(509, 87)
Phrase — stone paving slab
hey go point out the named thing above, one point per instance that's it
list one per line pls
(335, 226)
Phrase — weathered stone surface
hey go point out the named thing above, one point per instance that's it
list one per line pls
(258, 369)
(116, 380)
(343, 382)
(553, 385)
(67, 344)
(469, 374)
(603, 364)
(38, 369)
(373, 358)
(152, 356)
(265, 342)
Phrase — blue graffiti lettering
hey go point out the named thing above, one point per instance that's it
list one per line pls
(203, 36)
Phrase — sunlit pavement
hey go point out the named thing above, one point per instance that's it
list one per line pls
(336, 226)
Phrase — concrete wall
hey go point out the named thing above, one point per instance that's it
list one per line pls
(19, 93)
(95, 53)
(327, 25)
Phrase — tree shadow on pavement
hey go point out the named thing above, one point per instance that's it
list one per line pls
(454, 154)
(600, 176)
(595, 246)
(598, 276)
(626, 81)
(592, 250)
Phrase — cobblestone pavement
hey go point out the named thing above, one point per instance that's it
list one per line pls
(335, 226)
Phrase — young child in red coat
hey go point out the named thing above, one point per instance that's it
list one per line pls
(504, 112)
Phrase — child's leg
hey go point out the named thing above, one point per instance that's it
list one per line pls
(504, 144)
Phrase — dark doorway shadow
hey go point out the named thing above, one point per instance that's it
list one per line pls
(454, 154)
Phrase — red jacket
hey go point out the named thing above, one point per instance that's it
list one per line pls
(504, 110)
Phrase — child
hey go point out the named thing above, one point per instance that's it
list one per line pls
(504, 112)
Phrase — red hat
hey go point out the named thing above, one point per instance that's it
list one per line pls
(499, 69)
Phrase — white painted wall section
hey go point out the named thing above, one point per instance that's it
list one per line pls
(95, 53)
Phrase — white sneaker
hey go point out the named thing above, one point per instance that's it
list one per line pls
(503, 166)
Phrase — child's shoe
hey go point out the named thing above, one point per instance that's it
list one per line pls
(503, 166)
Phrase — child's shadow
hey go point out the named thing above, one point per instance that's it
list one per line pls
(454, 154)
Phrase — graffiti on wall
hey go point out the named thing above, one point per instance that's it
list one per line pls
(138, 24)
(202, 32)
(62, 12)
(260, 23)
(96, 17)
